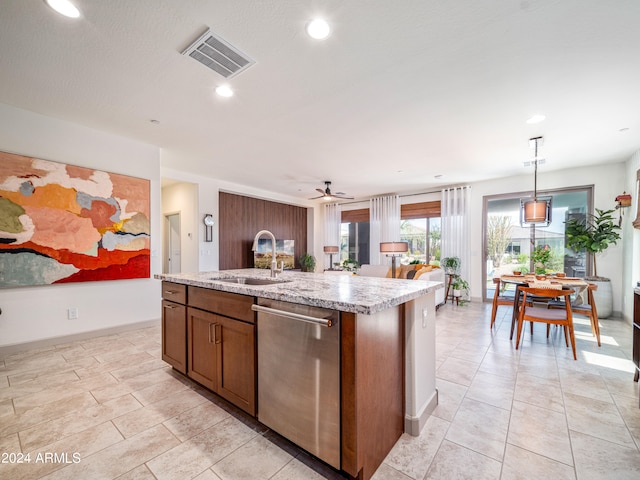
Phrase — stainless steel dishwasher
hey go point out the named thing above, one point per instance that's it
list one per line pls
(299, 375)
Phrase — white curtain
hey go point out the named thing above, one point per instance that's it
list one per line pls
(384, 225)
(455, 204)
(332, 221)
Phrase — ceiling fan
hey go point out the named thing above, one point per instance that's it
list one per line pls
(327, 195)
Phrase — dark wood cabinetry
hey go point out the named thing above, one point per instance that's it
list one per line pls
(174, 325)
(210, 336)
(221, 356)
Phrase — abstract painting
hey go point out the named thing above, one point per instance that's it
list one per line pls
(61, 223)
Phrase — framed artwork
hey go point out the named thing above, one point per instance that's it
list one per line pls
(61, 223)
(284, 253)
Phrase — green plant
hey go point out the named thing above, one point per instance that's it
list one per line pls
(523, 258)
(307, 262)
(415, 261)
(540, 257)
(450, 264)
(594, 234)
(460, 284)
(350, 264)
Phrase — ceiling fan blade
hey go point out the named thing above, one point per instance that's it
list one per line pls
(315, 198)
(344, 197)
(320, 190)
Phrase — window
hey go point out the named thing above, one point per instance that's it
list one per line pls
(508, 245)
(420, 228)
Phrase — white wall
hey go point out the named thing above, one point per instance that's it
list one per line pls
(630, 238)
(37, 313)
(208, 189)
(608, 181)
(182, 198)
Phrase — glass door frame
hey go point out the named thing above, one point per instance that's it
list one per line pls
(518, 195)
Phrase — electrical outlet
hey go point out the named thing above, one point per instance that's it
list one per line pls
(72, 313)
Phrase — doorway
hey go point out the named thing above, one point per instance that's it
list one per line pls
(172, 250)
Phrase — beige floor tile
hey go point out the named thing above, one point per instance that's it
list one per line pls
(457, 371)
(539, 366)
(539, 391)
(630, 411)
(49, 379)
(597, 418)
(139, 420)
(139, 369)
(139, 473)
(598, 459)
(522, 464)
(120, 458)
(450, 396)
(498, 364)
(61, 392)
(119, 361)
(46, 433)
(202, 451)
(492, 389)
(157, 392)
(45, 377)
(413, 455)
(297, 470)
(15, 423)
(469, 351)
(454, 461)
(133, 384)
(6, 408)
(540, 431)
(480, 427)
(207, 475)
(10, 443)
(192, 422)
(385, 472)
(590, 385)
(259, 458)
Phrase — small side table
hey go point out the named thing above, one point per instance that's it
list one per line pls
(452, 277)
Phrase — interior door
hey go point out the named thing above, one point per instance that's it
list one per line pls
(172, 263)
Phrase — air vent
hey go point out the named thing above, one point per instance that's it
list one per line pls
(219, 55)
(541, 161)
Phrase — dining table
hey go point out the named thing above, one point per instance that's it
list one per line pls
(578, 285)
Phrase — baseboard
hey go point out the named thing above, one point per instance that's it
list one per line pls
(7, 350)
(413, 425)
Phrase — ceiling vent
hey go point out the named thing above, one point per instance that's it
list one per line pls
(219, 55)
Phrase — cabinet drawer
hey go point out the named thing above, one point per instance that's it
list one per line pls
(174, 292)
(223, 303)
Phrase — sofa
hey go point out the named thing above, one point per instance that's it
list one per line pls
(418, 272)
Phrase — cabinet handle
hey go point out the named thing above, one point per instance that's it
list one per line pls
(170, 306)
(210, 325)
(217, 333)
(170, 292)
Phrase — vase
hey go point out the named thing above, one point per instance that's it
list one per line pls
(603, 297)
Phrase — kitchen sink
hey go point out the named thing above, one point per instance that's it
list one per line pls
(251, 281)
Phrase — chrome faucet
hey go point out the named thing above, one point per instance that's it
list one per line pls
(274, 263)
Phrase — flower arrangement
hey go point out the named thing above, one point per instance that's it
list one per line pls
(540, 257)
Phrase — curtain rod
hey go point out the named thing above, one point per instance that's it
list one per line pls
(405, 195)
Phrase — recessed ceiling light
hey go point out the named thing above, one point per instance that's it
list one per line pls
(64, 7)
(536, 119)
(224, 91)
(318, 29)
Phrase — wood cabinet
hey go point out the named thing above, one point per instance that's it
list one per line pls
(174, 325)
(221, 350)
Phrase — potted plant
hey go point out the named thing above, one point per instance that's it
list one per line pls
(451, 265)
(307, 262)
(460, 289)
(540, 257)
(350, 265)
(594, 234)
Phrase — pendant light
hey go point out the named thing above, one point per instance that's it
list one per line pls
(537, 211)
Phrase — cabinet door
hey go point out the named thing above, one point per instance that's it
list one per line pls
(202, 347)
(236, 363)
(174, 335)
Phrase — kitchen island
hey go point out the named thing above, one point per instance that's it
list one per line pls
(377, 334)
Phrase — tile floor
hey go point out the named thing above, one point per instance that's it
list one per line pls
(110, 408)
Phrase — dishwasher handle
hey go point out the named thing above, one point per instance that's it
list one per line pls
(323, 322)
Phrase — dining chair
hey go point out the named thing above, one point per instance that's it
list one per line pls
(498, 300)
(587, 309)
(530, 311)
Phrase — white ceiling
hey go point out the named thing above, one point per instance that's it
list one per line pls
(400, 92)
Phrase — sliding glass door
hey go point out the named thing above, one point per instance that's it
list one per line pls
(508, 244)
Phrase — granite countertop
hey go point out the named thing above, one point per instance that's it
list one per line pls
(347, 293)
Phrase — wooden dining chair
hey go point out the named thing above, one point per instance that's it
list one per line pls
(533, 313)
(587, 309)
(498, 300)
